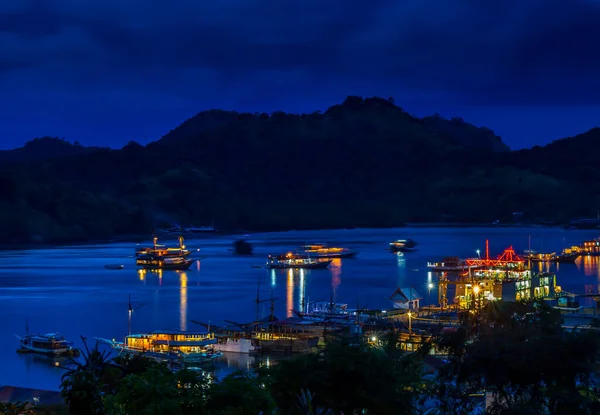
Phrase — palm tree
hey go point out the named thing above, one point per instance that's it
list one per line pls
(305, 405)
(85, 382)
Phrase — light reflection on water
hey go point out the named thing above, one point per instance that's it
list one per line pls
(69, 291)
(183, 301)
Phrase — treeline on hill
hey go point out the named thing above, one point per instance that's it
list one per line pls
(363, 163)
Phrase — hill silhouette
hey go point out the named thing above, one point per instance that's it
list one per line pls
(365, 162)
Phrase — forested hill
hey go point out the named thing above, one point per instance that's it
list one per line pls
(365, 162)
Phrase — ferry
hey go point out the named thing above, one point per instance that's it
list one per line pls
(182, 345)
(294, 260)
(324, 251)
(403, 245)
(450, 264)
(51, 344)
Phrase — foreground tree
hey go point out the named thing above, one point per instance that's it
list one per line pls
(522, 356)
(348, 377)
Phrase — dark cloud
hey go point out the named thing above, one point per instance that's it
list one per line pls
(241, 53)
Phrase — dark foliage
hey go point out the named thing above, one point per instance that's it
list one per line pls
(365, 162)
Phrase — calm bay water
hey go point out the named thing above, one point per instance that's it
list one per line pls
(68, 289)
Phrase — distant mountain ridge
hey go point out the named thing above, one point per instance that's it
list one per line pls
(364, 162)
(45, 148)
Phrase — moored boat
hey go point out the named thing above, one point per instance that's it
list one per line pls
(567, 257)
(162, 251)
(324, 251)
(237, 344)
(534, 256)
(403, 245)
(168, 263)
(450, 264)
(169, 345)
(294, 260)
(51, 344)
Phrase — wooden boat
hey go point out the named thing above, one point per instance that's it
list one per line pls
(534, 256)
(168, 263)
(162, 251)
(51, 344)
(324, 251)
(567, 257)
(294, 260)
(403, 245)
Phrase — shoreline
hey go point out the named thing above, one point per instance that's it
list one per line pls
(138, 238)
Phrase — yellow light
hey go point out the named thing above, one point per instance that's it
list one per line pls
(373, 339)
(476, 289)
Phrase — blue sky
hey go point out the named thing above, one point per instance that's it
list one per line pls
(106, 72)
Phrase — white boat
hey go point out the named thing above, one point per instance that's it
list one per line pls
(51, 344)
(237, 345)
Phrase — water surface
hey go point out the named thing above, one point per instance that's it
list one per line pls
(67, 289)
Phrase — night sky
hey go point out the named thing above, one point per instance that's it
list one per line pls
(106, 72)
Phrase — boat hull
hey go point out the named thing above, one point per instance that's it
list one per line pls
(403, 249)
(27, 347)
(289, 346)
(157, 264)
(308, 265)
(237, 345)
(350, 254)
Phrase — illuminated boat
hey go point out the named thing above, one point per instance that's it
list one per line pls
(51, 344)
(324, 251)
(567, 256)
(168, 263)
(162, 251)
(185, 346)
(534, 256)
(294, 260)
(403, 245)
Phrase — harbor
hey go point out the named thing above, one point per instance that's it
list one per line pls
(224, 290)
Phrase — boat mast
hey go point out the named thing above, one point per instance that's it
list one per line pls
(272, 309)
(130, 308)
(257, 298)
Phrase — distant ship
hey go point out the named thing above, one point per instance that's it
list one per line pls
(324, 251)
(403, 245)
(161, 250)
(161, 257)
(294, 260)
